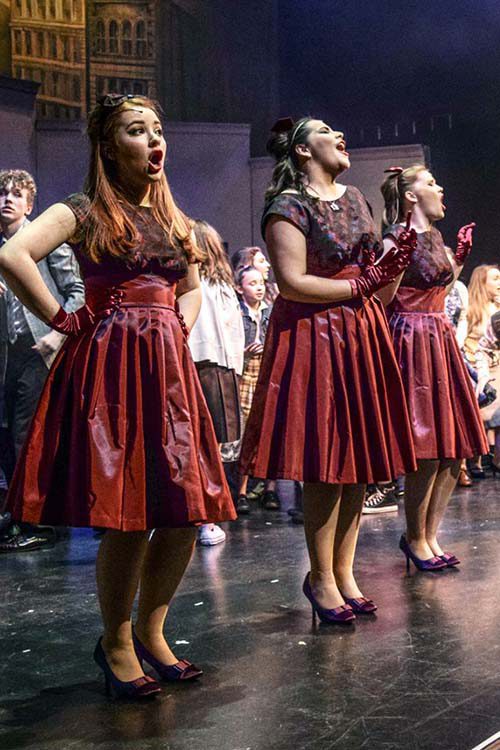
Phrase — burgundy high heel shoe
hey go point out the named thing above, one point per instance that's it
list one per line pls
(361, 605)
(450, 559)
(181, 670)
(432, 564)
(342, 615)
(140, 689)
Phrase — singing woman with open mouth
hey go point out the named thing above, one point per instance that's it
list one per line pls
(122, 438)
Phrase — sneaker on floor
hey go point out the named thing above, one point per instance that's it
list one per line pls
(257, 490)
(242, 505)
(211, 534)
(18, 541)
(270, 500)
(380, 499)
(297, 516)
(5, 521)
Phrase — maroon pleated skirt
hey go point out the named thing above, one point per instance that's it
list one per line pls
(329, 404)
(122, 437)
(444, 412)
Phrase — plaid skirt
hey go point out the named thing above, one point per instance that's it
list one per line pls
(248, 383)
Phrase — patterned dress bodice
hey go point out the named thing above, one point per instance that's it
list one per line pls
(154, 254)
(424, 283)
(336, 232)
(429, 265)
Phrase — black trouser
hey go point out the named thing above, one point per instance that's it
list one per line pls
(25, 377)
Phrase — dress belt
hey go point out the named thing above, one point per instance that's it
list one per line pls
(142, 291)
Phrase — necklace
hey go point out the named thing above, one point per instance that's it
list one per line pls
(332, 203)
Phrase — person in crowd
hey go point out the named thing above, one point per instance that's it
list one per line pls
(484, 301)
(455, 307)
(443, 409)
(253, 256)
(217, 341)
(329, 406)
(122, 438)
(488, 371)
(28, 345)
(255, 311)
(380, 498)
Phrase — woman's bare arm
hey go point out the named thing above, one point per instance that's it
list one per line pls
(20, 254)
(189, 295)
(287, 249)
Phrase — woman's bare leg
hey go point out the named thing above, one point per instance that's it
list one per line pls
(118, 569)
(444, 484)
(321, 511)
(168, 554)
(243, 485)
(346, 538)
(418, 491)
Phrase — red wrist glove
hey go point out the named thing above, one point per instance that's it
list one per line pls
(83, 319)
(464, 243)
(374, 277)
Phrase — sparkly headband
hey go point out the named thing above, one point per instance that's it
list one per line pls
(110, 101)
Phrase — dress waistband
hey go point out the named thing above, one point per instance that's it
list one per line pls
(142, 291)
(147, 290)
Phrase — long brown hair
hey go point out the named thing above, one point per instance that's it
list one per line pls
(215, 268)
(394, 188)
(478, 313)
(110, 230)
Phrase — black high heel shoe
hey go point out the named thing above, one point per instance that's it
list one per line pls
(140, 689)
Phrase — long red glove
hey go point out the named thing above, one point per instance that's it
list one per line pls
(464, 243)
(85, 318)
(374, 277)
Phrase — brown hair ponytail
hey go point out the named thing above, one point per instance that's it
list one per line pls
(394, 188)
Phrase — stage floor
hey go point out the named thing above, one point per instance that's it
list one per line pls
(422, 675)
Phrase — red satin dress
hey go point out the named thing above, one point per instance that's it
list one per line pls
(122, 437)
(329, 404)
(444, 413)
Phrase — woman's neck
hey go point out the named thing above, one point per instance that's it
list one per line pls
(138, 195)
(419, 221)
(322, 184)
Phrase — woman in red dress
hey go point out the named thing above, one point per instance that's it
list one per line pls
(329, 408)
(122, 438)
(444, 413)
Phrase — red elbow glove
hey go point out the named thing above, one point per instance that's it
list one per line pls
(394, 262)
(464, 243)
